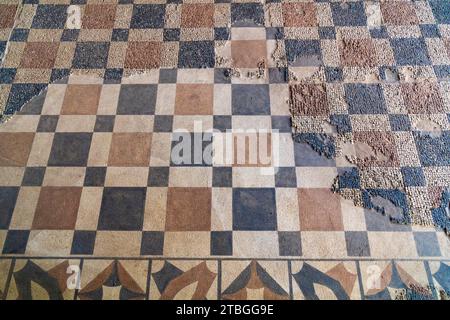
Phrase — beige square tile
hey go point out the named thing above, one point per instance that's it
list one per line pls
(64, 176)
(392, 245)
(255, 244)
(187, 244)
(190, 177)
(221, 209)
(89, 209)
(155, 209)
(287, 209)
(11, 176)
(21, 123)
(353, 217)
(315, 177)
(279, 99)
(252, 177)
(323, 244)
(26, 203)
(133, 123)
(99, 150)
(54, 99)
(126, 177)
(109, 96)
(49, 243)
(117, 243)
(160, 150)
(165, 99)
(222, 99)
(40, 150)
(76, 124)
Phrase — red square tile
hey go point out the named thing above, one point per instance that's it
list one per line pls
(194, 99)
(188, 209)
(422, 97)
(7, 15)
(357, 53)
(39, 55)
(299, 14)
(130, 150)
(81, 99)
(143, 55)
(399, 13)
(248, 53)
(199, 15)
(375, 149)
(15, 149)
(308, 100)
(320, 210)
(57, 208)
(99, 16)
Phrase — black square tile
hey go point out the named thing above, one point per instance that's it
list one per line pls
(196, 54)
(334, 74)
(20, 94)
(250, 99)
(247, 14)
(33, 176)
(285, 177)
(289, 243)
(221, 34)
(278, 75)
(349, 13)
(91, 55)
(301, 53)
(442, 72)
(35, 105)
(152, 243)
(95, 176)
(222, 123)
(16, 242)
(429, 31)
(433, 151)
(7, 75)
(70, 35)
(50, 16)
(379, 33)
(441, 11)
(158, 177)
(47, 123)
(120, 35)
(365, 98)
(8, 198)
(413, 176)
(327, 33)
(254, 209)
(222, 177)
(221, 243)
(410, 51)
(113, 76)
(163, 123)
(19, 35)
(104, 123)
(122, 209)
(275, 33)
(70, 149)
(341, 122)
(167, 75)
(313, 150)
(60, 75)
(357, 243)
(282, 123)
(137, 99)
(83, 242)
(400, 122)
(222, 75)
(171, 34)
(148, 16)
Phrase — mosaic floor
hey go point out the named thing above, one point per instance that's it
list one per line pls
(115, 175)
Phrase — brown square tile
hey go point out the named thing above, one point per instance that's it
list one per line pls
(320, 210)
(39, 55)
(143, 55)
(81, 99)
(248, 53)
(375, 148)
(7, 15)
(15, 149)
(99, 16)
(188, 209)
(194, 99)
(299, 14)
(57, 208)
(308, 99)
(130, 150)
(399, 13)
(357, 53)
(197, 15)
(422, 97)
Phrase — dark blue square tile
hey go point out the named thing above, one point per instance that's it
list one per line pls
(390, 203)
(148, 16)
(410, 51)
(250, 99)
(282, 123)
(19, 35)
(8, 198)
(222, 177)
(327, 33)
(442, 71)
(120, 35)
(379, 33)
(303, 52)
(7, 75)
(341, 122)
(70, 35)
(222, 75)
(70, 149)
(365, 98)
(222, 123)
(158, 177)
(91, 55)
(171, 34)
(152, 243)
(441, 11)
(60, 75)
(278, 75)
(221, 34)
(122, 209)
(247, 14)
(357, 244)
(95, 176)
(196, 54)
(33, 176)
(413, 176)
(433, 151)
(314, 149)
(429, 31)
(137, 99)
(191, 149)
(221, 243)
(254, 209)
(274, 33)
(427, 244)
(333, 74)
(348, 178)
(104, 124)
(400, 122)
(348, 13)
(285, 177)
(50, 16)
(113, 76)
(2, 48)
(163, 123)
(16, 242)
(83, 242)
(167, 75)
(289, 243)
(20, 94)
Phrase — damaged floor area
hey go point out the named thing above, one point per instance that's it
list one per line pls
(106, 103)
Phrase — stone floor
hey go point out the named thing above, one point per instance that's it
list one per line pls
(127, 169)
